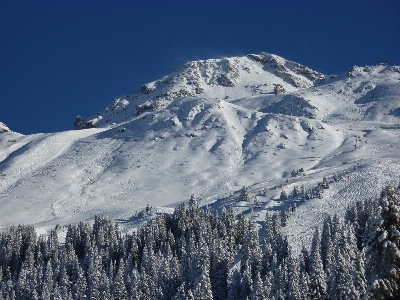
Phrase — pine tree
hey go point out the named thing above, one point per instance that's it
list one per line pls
(294, 290)
(244, 195)
(94, 273)
(193, 201)
(305, 286)
(325, 183)
(383, 247)
(283, 195)
(359, 275)
(245, 282)
(219, 270)
(200, 263)
(258, 291)
(304, 260)
(180, 294)
(104, 289)
(266, 263)
(296, 191)
(202, 289)
(48, 282)
(317, 288)
(241, 229)
(251, 253)
(234, 286)
(326, 241)
(267, 284)
(341, 285)
(119, 289)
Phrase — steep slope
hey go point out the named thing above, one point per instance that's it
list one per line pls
(208, 129)
(228, 78)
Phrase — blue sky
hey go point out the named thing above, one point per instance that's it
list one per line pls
(60, 59)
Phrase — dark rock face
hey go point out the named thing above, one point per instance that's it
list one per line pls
(279, 89)
(81, 123)
(4, 128)
(145, 107)
(147, 89)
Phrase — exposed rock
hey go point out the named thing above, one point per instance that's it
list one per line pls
(147, 107)
(224, 80)
(169, 95)
(279, 89)
(353, 71)
(81, 123)
(147, 88)
(4, 128)
(257, 58)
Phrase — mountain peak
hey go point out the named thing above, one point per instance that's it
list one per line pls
(4, 128)
(226, 78)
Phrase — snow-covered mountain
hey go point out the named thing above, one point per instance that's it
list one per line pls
(208, 129)
(228, 78)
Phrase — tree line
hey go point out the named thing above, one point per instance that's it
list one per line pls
(197, 253)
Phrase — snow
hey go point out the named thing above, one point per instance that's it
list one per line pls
(217, 126)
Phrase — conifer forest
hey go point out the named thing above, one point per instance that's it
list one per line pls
(197, 253)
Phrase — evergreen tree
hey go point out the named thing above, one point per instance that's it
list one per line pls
(305, 286)
(93, 273)
(119, 289)
(193, 201)
(296, 191)
(283, 195)
(258, 291)
(245, 282)
(359, 275)
(325, 183)
(219, 270)
(294, 291)
(267, 284)
(241, 229)
(317, 288)
(244, 194)
(202, 289)
(180, 294)
(234, 287)
(383, 247)
(251, 253)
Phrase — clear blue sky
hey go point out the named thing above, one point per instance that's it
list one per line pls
(61, 59)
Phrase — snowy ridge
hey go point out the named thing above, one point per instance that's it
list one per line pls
(208, 129)
(4, 128)
(228, 78)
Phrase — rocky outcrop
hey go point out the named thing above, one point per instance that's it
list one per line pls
(81, 123)
(147, 88)
(202, 78)
(147, 107)
(4, 128)
(279, 89)
(296, 74)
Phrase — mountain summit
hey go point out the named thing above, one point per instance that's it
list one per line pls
(227, 78)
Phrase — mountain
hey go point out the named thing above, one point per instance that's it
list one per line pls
(228, 78)
(208, 129)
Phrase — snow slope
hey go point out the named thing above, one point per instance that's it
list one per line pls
(208, 129)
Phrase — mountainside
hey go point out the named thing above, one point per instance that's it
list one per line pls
(208, 129)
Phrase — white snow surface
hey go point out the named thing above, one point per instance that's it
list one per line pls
(208, 129)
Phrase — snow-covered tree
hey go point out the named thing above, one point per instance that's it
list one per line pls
(258, 291)
(193, 201)
(317, 288)
(383, 248)
(202, 289)
(283, 195)
(244, 194)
